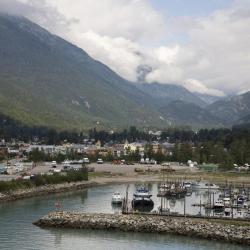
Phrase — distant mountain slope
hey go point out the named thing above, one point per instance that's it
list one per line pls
(166, 93)
(47, 81)
(232, 109)
(244, 122)
(208, 99)
(182, 113)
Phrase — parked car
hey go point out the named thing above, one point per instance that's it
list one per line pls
(99, 161)
(53, 164)
(86, 160)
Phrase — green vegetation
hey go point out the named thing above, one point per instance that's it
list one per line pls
(46, 81)
(41, 180)
(40, 156)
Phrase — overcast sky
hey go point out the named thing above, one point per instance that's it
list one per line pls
(202, 45)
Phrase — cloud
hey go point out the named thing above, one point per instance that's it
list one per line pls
(121, 54)
(194, 85)
(214, 57)
(132, 19)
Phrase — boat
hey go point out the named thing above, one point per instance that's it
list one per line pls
(227, 211)
(219, 205)
(227, 201)
(142, 200)
(241, 200)
(163, 189)
(187, 184)
(176, 191)
(204, 185)
(116, 198)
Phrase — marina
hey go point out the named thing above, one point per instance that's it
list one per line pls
(95, 200)
(176, 199)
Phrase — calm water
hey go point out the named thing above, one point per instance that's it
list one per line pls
(17, 231)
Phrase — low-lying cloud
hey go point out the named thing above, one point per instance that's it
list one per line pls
(214, 59)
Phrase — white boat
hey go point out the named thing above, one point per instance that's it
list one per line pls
(187, 184)
(204, 185)
(227, 202)
(219, 204)
(116, 198)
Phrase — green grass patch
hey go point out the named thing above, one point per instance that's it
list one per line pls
(41, 180)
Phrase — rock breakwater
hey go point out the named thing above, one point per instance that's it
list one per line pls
(201, 228)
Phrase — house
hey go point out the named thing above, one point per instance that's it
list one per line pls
(47, 149)
(118, 150)
(132, 147)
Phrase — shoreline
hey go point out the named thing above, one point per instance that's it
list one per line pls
(191, 227)
(68, 187)
(113, 178)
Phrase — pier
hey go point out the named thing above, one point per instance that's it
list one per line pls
(203, 228)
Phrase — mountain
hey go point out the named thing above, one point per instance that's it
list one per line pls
(166, 93)
(180, 113)
(232, 109)
(244, 122)
(46, 81)
(208, 99)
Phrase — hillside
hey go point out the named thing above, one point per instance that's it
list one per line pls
(182, 113)
(166, 93)
(208, 99)
(232, 109)
(47, 81)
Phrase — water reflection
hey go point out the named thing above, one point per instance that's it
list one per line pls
(123, 240)
(17, 231)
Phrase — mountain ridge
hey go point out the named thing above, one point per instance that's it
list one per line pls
(34, 63)
(47, 81)
(231, 109)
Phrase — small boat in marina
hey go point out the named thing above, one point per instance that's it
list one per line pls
(187, 184)
(173, 190)
(227, 211)
(204, 185)
(142, 200)
(163, 189)
(241, 199)
(227, 201)
(116, 198)
(219, 205)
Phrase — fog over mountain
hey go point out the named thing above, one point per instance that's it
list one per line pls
(203, 52)
(47, 81)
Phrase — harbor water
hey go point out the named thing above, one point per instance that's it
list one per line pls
(18, 232)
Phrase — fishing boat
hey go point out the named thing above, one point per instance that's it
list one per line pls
(142, 199)
(116, 198)
(176, 191)
(163, 189)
